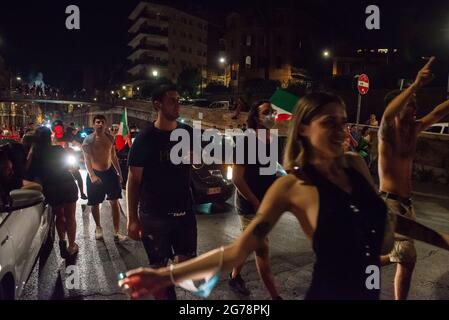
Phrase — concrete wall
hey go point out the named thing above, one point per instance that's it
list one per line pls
(431, 164)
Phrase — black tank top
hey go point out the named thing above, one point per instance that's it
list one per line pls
(348, 238)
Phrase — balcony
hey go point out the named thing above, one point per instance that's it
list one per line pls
(147, 29)
(152, 47)
(153, 16)
(147, 60)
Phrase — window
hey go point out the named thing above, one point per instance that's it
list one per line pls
(248, 62)
(204, 54)
(248, 40)
(190, 22)
(199, 53)
(199, 39)
(183, 49)
(183, 34)
(434, 129)
(173, 47)
(183, 63)
(174, 32)
(190, 36)
(190, 50)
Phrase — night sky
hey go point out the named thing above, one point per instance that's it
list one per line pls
(33, 37)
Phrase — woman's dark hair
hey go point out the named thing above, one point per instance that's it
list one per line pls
(42, 138)
(253, 114)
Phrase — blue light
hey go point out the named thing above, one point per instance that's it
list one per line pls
(83, 134)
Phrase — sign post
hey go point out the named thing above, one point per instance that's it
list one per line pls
(363, 88)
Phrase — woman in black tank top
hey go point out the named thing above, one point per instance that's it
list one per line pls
(332, 196)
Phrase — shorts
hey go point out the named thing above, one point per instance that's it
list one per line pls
(246, 220)
(58, 194)
(110, 186)
(404, 250)
(165, 239)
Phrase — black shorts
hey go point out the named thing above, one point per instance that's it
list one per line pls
(165, 239)
(58, 194)
(110, 186)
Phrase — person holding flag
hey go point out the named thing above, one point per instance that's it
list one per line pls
(123, 136)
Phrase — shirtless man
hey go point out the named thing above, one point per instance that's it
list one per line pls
(398, 135)
(102, 178)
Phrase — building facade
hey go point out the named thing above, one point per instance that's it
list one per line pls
(267, 45)
(165, 41)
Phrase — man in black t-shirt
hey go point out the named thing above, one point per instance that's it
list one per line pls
(158, 191)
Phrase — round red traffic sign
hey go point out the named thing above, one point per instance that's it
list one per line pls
(363, 84)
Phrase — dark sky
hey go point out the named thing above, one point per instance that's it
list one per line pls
(33, 37)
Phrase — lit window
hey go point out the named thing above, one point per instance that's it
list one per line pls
(248, 40)
(382, 50)
(248, 62)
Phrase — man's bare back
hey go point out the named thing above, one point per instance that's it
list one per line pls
(397, 147)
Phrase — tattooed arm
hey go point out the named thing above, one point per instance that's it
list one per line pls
(144, 281)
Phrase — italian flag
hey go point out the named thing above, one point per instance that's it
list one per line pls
(284, 103)
(123, 135)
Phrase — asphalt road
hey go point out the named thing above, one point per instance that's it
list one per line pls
(99, 262)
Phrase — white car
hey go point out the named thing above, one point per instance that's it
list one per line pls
(441, 128)
(26, 231)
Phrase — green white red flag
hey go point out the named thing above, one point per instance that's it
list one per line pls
(284, 103)
(123, 136)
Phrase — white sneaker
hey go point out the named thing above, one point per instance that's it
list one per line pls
(99, 233)
(118, 237)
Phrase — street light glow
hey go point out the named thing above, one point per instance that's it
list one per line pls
(19, 79)
(222, 60)
(124, 87)
(112, 92)
(155, 73)
(326, 54)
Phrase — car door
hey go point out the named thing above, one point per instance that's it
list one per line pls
(26, 224)
(7, 255)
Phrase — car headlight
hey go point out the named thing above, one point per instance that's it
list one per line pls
(76, 148)
(71, 161)
(229, 173)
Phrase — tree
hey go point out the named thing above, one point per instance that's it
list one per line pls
(189, 81)
(253, 86)
(216, 87)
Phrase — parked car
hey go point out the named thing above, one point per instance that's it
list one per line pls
(219, 105)
(441, 128)
(209, 183)
(26, 233)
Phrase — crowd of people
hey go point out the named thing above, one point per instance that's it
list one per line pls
(350, 223)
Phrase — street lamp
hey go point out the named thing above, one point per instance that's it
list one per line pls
(326, 54)
(18, 78)
(222, 61)
(155, 73)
